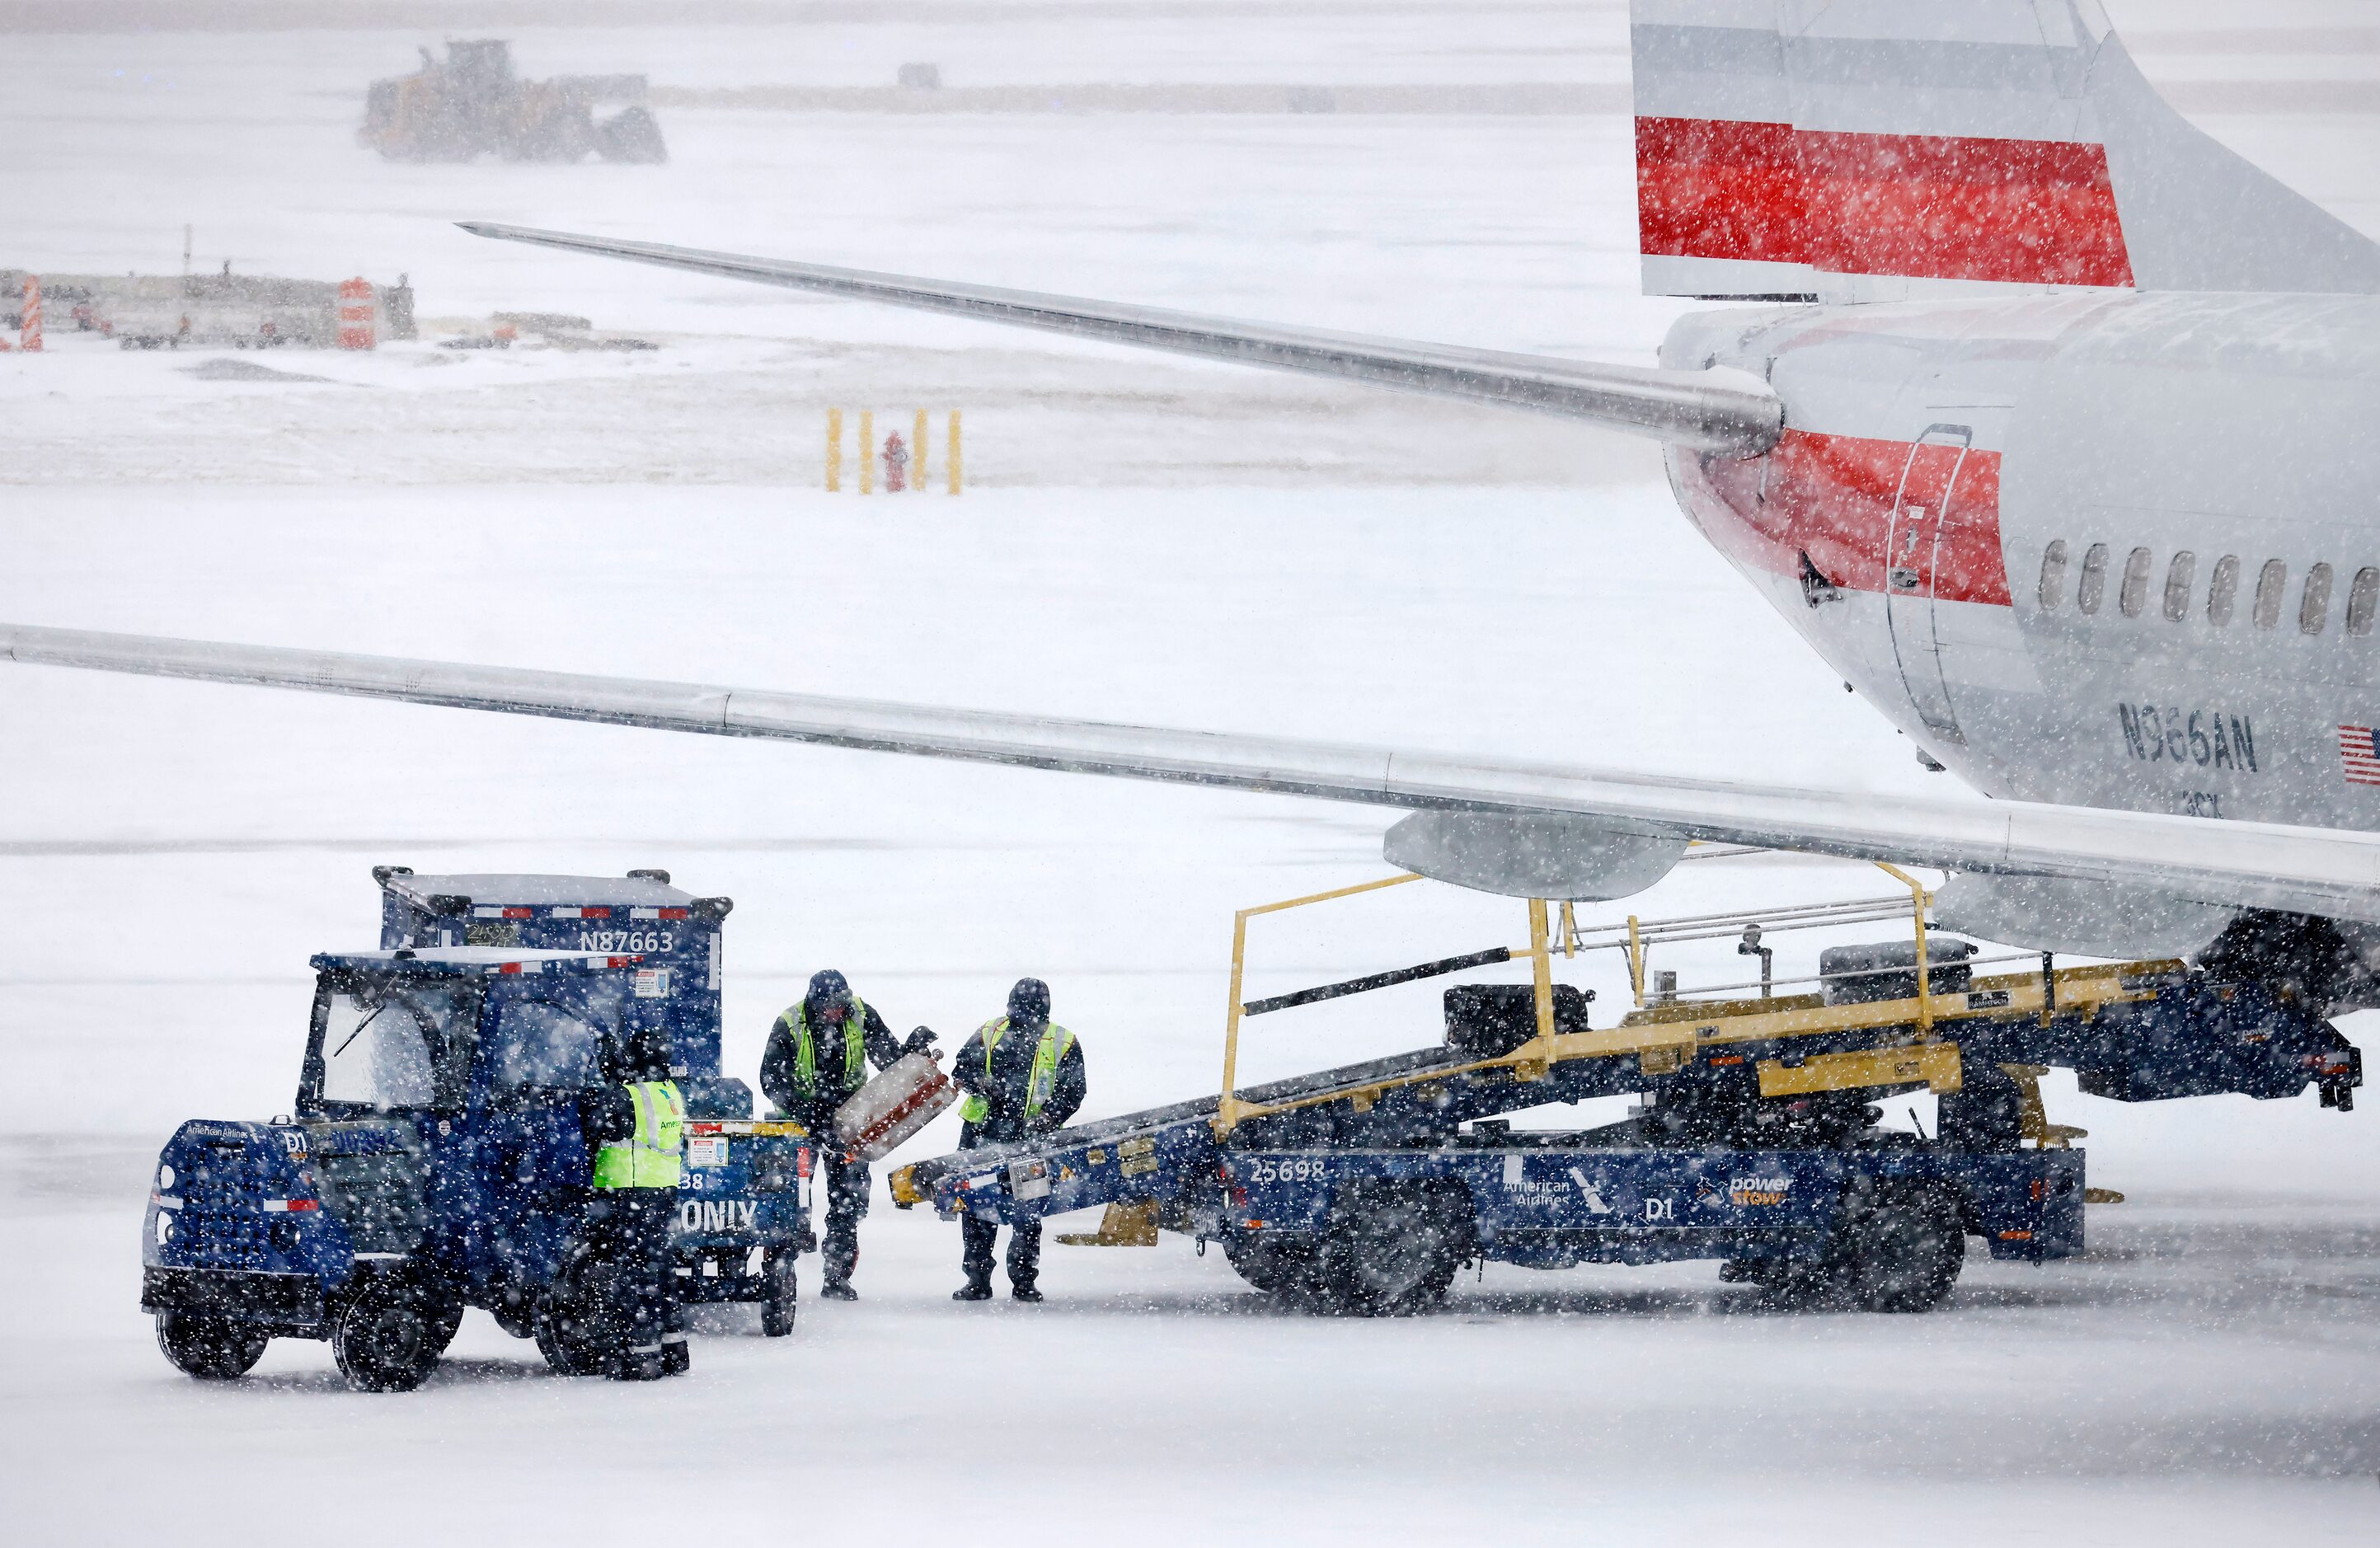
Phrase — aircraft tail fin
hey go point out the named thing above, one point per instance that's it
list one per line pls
(1876, 150)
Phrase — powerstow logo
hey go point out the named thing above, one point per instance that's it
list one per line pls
(1752, 1190)
(720, 1215)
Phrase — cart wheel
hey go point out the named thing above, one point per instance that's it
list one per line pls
(1274, 1262)
(517, 1313)
(778, 1302)
(446, 1320)
(1390, 1249)
(387, 1340)
(1820, 1285)
(573, 1333)
(1909, 1252)
(211, 1348)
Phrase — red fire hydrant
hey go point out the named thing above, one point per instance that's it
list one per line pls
(896, 464)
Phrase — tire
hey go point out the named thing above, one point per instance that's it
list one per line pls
(1390, 1249)
(445, 1321)
(780, 1301)
(1908, 1253)
(1274, 1262)
(1825, 1284)
(571, 1332)
(387, 1338)
(517, 1314)
(211, 1348)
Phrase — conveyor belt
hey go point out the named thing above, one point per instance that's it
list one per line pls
(1150, 1122)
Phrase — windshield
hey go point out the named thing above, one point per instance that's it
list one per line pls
(547, 1043)
(382, 1043)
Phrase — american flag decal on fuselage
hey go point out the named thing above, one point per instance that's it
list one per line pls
(2359, 754)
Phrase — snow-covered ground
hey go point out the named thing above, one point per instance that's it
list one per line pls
(1147, 540)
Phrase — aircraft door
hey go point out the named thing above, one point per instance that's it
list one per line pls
(1918, 544)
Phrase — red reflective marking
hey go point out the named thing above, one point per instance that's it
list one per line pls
(520, 914)
(2038, 211)
(1831, 497)
(675, 913)
(2030, 211)
(1716, 188)
(594, 913)
(2016, 1236)
(298, 1206)
(510, 967)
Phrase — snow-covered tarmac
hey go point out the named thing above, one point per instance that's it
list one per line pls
(1152, 541)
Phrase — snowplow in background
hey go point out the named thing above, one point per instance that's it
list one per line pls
(471, 104)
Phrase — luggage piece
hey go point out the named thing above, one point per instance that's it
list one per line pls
(1945, 967)
(907, 1095)
(1488, 1020)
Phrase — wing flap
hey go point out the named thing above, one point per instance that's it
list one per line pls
(2233, 864)
(1717, 410)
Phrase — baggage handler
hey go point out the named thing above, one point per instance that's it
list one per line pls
(1022, 1074)
(819, 1053)
(640, 1122)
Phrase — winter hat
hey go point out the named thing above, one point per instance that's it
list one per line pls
(1028, 1003)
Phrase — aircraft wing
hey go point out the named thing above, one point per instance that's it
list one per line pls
(1717, 410)
(2235, 865)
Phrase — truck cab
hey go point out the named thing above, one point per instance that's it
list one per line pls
(434, 1159)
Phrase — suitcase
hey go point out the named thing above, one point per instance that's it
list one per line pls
(905, 1098)
(1860, 975)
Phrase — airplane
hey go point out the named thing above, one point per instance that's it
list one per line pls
(2045, 420)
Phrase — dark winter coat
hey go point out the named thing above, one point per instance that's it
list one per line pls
(1003, 1090)
(815, 1110)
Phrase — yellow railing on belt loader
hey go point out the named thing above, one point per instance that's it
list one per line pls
(1667, 1028)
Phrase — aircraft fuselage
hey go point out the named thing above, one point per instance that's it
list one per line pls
(2101, 550)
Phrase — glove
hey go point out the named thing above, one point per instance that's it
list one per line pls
(921, 1041)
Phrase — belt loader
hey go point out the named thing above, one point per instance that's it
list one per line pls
(1364, 1189)
(434, 1157)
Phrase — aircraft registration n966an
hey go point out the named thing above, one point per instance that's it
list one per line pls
(2045, 419)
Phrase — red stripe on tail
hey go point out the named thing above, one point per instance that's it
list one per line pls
(2028, 211)
(1712, 189)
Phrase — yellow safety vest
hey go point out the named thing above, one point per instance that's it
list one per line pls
(649, 1158)
(1038, 1086)
(854, 1047)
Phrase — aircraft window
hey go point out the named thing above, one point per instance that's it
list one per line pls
(2180, 577)
(2093, 583)
(2362, 599)
(2314, 606)
(2135, 592)
(2223, 590)
(2271, 582)
(2053, 575)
